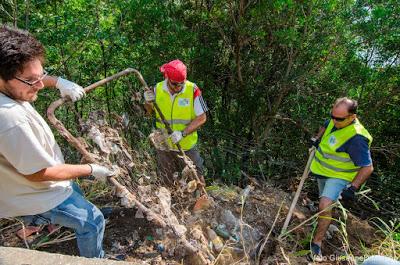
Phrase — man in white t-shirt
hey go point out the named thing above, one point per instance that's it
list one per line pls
(35, 183)
(184, 109)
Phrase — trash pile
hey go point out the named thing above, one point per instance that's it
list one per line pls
(184, 221)
(183, 224)
(225, 228)
(222, 226)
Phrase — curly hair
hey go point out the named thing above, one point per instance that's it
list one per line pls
(17, 47)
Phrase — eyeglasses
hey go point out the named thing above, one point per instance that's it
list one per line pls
(177, 83)
(339, 119)
(32, 83)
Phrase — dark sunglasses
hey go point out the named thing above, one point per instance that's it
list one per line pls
(339, 119)
(177, 83)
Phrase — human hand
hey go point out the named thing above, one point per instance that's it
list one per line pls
(349, 193)
(176, 136)
(100, 173)
(314, 142)
(70, 89)
(149, 96)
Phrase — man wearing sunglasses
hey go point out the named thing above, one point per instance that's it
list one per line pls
(342, 162)
(35, 182)
(185, 110)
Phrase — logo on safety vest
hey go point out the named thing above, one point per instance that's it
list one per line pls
(183, 102)
(332, 140)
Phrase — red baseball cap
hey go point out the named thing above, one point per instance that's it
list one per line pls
(174, 71)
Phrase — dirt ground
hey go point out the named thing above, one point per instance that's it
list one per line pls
(231, 225)
(242, 223)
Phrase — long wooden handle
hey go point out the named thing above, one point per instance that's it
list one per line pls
(299, 188)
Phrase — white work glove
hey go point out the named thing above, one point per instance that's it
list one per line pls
(100, 173)
(149, 96)
(70, 89)
(176, 136)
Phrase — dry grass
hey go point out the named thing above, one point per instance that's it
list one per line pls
(390, 245)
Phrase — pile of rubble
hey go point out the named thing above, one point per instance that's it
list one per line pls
(185, 223)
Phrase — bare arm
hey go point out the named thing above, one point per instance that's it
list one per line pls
(320, 132)
(362, 176)
(196, 123)
(149, 108)
(60, 172)
(50, 81)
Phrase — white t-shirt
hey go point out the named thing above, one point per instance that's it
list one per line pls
(27, 145)
(199, 104)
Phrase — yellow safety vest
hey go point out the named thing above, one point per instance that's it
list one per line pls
(178, 112)
(330, 163)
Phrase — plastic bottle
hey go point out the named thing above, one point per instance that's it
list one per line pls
(160, 247)
(215, 239)
(221, 231)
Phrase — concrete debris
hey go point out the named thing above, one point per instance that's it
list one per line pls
(239, 230)
(139, 214)
(12, 256)
(229, 220)
(244, 193)
(332, 229)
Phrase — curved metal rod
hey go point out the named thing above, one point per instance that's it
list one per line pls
(89, 157)
(60, 126)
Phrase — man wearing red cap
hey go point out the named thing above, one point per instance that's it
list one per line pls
(185, 110)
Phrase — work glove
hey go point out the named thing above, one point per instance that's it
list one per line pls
(176, 136)
(314, 142)
(100, 173)
(349, 193)
(149, 96)
(70, 89)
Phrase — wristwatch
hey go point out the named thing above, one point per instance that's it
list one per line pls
(184, 133)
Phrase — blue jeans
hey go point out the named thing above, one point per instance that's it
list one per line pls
(82, 216)
(331, 187)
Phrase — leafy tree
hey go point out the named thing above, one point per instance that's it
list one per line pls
(269, 71)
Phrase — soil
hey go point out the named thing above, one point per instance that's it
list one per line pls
(248, 221)
(130, 234)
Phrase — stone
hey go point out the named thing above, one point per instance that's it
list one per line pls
(12, 256)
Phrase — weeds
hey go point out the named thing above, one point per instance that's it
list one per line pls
(48, 240)
(390, 245)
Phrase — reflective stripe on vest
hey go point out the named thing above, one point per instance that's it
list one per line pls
(178, 112)
(335, 168)
(176, 121)
(337, 158)
(330, 163)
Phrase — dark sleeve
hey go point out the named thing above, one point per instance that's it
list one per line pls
(326, 123)
(358, 149)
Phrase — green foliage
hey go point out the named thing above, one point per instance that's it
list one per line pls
(269, 71)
